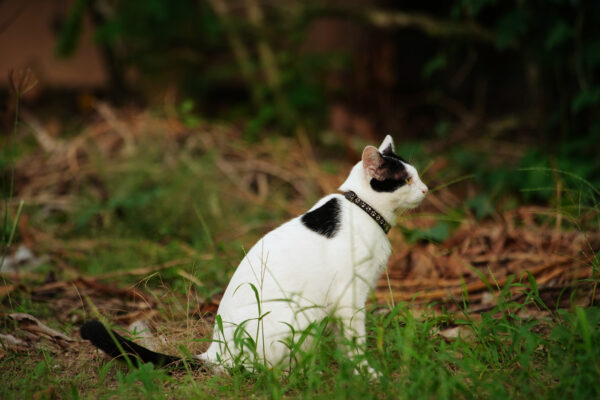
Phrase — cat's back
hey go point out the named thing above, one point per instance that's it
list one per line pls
(329, 238)
(310, 236)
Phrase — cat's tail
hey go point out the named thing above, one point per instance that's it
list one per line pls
(118, 347)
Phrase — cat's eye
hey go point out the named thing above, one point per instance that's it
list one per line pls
(408, 181)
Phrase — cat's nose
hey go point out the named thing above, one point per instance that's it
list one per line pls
(424, 189)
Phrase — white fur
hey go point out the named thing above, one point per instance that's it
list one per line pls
(302, 277)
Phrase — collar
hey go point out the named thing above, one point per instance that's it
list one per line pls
(353, 198)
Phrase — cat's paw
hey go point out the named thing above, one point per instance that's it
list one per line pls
(366, 370)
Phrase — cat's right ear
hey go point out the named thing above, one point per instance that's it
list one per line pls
(387, 146)
(372, 160)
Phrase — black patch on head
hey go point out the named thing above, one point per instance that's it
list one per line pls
(392, 172)
(390, 153)
(387, 185)
(324, 220)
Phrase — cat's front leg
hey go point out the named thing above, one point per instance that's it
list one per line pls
(354, 332)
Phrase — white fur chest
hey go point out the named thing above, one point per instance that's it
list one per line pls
(364, 250)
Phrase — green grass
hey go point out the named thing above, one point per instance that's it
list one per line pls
(498, 357)
(171, 202)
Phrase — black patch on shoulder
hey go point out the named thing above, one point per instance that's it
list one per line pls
(393, 172)
(324, 220)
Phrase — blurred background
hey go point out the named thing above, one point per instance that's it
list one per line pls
(460, 70)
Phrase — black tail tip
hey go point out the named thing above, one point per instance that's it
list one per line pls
(91, 328)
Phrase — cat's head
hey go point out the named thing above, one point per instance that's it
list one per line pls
(390, 175)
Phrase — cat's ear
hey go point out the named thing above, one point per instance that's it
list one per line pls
(387, 146)
(372, 160)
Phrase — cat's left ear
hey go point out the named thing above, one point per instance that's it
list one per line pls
(372, 162)
(387, 146)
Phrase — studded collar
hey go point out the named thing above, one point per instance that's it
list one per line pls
(353, 198)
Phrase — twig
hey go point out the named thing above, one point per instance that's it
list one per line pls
(430, 25)
(387, 19)
(41, 135)
(110, 117)
(457, 288)
(144, 270)
(32, 324)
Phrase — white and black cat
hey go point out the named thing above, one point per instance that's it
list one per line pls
(322, 263)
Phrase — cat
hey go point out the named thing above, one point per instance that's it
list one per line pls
(322, 263)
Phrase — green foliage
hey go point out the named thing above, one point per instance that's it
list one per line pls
(190, 43)
(435, 64)
(511, 26)
(561, 40)
(481, 205)
(437, 233)
(574, 350)
(573, 169)
(187, 114)
(72, 29)
(551, 48)
(558, 35)
(143, 381)
(20, 82)
(586, 98)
